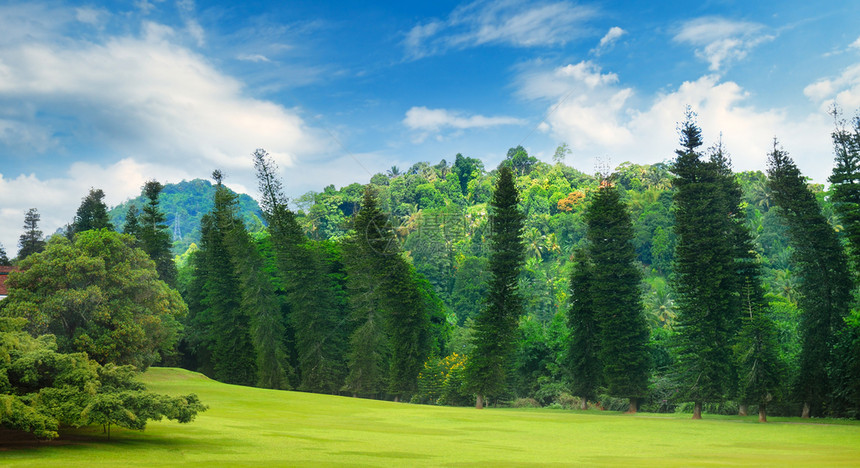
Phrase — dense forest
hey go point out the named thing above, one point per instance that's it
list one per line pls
(676, 286)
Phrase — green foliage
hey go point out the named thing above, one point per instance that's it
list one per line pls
(582, 360)
(98, 295)
(92, 214)
(705, 280)
(31, 241)
(152, 234)
(825, 284)
(845, 182)
(496, 325)
(184, 205)
(42, 390)
(622, 332)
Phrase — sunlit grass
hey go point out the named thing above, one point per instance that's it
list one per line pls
(248, 426)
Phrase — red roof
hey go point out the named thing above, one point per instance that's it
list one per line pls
(4, 273)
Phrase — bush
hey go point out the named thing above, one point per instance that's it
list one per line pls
(525, 403)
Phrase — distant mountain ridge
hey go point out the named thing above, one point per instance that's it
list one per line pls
(184, 204)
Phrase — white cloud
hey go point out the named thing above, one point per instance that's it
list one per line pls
(499, 22)
(855, 44)
(90, 16)
(842, 90)
(720, 41)
(428, 121)
(253, 58)
(597, 117)
(607, 41)
(160, 109)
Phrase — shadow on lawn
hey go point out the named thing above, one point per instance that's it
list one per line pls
(120, 438)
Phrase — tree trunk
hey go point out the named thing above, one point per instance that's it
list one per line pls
(397, 398)
(697, 410)
(584, 405)
(479, 402)
(762, 413)
(634, 406)
(805, 411)
(743, 410)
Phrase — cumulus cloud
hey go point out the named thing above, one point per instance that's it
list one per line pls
(597, 117)
(142, 99)
(720, 41)
(428, 121)
(855, 44)
(842, 90)
(499, 22)
(607, 41)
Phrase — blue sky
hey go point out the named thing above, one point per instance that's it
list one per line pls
(110, 94)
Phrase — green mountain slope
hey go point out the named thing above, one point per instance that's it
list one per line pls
(185, 204)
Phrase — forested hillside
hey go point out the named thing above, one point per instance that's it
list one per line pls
(184, 204)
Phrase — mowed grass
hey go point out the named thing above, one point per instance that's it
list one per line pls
(255, 427)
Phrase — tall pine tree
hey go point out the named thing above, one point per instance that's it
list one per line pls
(219, 327)
(495, 331)
(369, 344)
(622, 331)
(582, 358)
(316, 315)
(825, 284)
(31, 241)
(705, 280)
(153, 235)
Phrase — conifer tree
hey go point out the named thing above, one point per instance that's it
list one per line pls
(220, 328)
(369, 356)
(845, 187)
(31, 241)
(495, 330)
(705, 275)
(92, 214)
(4, 258)
(132, 223)
(153, 234)
(825, 285)
(315, 313)
(582, 359)
(622, 331)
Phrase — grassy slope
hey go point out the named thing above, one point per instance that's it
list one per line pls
(254, 427)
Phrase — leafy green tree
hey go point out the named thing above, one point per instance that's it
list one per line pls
(312, 295)
(31, 241)
(495, 329)
(466, 169)
(153, 234)
(582, 360)
(42, 390)
(825, 284)
(92, 214)
(616, 298)
(99, 295)
(705, 275)
(519, 161)
(470, 288)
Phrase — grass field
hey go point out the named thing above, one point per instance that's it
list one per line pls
(254, 427)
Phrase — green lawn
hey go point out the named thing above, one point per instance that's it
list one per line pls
(254, 427)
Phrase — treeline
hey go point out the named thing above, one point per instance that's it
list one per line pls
(677, 286)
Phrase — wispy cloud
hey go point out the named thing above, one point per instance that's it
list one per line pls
(429, 121)
(504, 22)
(720, 41)
(608, 41)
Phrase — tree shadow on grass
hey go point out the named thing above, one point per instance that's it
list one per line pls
(91, 436)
